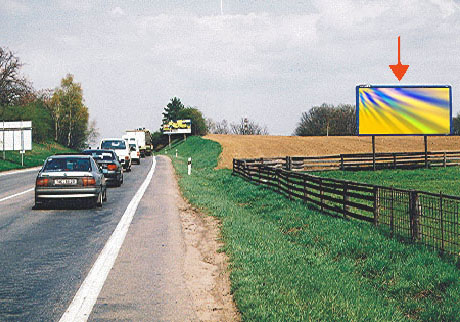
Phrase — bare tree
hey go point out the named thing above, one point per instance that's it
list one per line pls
(92, 133)
(14, 88)
(246, 127)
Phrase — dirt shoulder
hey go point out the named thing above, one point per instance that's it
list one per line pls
(255, 146)
(206, 269)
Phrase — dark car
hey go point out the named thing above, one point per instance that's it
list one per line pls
(108, 162)
(65, 177)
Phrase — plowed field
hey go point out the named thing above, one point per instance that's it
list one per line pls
(255, 146)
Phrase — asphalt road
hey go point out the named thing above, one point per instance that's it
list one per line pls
(46, 254)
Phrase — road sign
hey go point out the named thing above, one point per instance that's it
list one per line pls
(16, 136)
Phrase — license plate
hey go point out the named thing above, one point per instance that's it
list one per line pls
(65, 181)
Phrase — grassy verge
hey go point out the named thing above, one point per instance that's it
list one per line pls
(289, 262)
(33, 158)
(431, 180)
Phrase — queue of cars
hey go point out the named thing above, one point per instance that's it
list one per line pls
(85, 175)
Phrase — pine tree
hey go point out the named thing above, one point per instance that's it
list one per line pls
(171, 111)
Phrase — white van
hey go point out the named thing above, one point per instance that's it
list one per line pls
(121, 148)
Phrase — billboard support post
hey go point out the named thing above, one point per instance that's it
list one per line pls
(425, 140)
(373, 152)
(185, 137)
(169, 141)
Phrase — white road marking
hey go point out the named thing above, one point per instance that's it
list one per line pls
(17, 194)
(19, 171)
(83, 302)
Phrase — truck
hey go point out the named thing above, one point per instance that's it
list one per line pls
(143, 138)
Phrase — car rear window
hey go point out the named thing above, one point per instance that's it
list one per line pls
(113, 144)
(101, 155)
(132, 146)
(68, 164)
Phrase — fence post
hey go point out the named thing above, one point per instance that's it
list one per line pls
(444, 160)
(258, 174)
(376, 206)
(441, 222)
(414, 213)
(345, 200)
(341, 162)
(305, 192)
(321, 192)
(278, 184)
(392, 228)
(394, 160)
(288, 163)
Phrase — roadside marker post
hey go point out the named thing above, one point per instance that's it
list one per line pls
(189, 166)
(176, 153)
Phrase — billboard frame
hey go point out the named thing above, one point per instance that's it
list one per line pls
(403, 86)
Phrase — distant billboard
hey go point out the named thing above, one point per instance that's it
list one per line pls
(403, 110)
(178, 127)
(16, 136)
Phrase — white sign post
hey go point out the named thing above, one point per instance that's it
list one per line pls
(16, 136)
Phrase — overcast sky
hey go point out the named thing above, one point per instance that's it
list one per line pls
(268, 60)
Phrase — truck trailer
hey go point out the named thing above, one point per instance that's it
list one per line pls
(143, 139)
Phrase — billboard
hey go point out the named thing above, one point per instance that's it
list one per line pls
(403, 110)
(178, 127)
(16, 136)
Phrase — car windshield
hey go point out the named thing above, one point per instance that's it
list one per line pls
(68, 164)
(100, 155)
(113, 144)
(132, 146)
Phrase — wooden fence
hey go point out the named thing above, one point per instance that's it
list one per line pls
(363, 161)
(423, 217)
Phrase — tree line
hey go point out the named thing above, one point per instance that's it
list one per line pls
(176, 110)
(58, 114)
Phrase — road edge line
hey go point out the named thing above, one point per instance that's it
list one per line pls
(86, 296)
(10, 172)
(17, 194)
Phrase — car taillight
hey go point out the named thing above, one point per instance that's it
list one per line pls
(42, 182)
(138, 154)
(126, 157)
(89, 181)
(112, 167)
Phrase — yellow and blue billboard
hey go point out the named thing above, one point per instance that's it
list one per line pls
(403, 110)
(177, 127)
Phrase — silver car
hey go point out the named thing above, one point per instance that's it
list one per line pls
(65, 177)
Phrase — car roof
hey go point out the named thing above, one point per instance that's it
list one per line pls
(113, 139)
(73, 155)
(101, 150)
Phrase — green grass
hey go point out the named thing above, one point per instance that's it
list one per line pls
(290, 263)
(431, 180)
(33, 158)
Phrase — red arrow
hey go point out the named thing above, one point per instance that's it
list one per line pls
(399, 70)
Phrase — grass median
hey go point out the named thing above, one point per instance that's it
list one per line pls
(290, 262)
(32, 158)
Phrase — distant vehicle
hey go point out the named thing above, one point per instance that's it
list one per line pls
(70, 177)
(107, 160)
(135, 153)
(143, 138)
(121, 149)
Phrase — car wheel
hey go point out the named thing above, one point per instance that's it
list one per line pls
(99, 199)
(38, 204)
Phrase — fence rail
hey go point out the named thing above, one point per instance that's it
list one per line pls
(427, 218)
(358, 161)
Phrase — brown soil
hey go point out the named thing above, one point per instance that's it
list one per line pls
(206, 269)
(255, 146)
